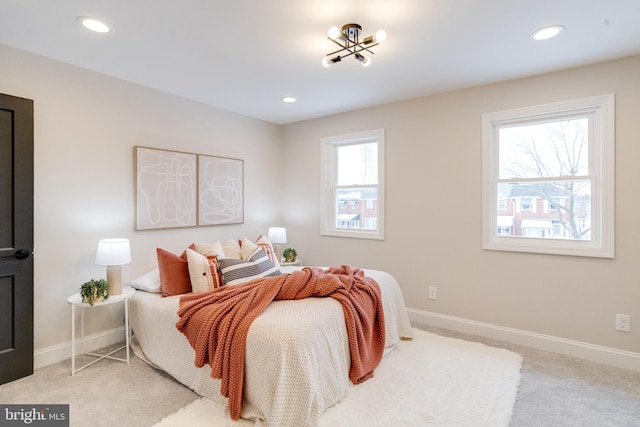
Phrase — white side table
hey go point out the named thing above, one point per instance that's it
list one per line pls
(76, 301)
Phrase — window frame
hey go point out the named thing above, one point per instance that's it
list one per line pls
(601, 110)
(329, 178)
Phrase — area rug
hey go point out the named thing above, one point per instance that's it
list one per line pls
(428, 381)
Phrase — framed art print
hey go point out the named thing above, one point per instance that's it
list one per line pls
(166, 189)
(220, 190)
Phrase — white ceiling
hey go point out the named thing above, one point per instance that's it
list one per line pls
(245, 55)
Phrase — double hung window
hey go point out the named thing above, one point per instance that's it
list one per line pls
(548, 178)
(353, 185)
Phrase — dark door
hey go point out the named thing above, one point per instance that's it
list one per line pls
(16, 238)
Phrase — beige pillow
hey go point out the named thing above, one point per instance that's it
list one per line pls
(231, 249)
(210, 249)
(247, 248)
(202, 271)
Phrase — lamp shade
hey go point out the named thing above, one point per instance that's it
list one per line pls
(277, 235)
(113, 252)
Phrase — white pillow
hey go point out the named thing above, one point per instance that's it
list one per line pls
(201, 272)
(149, 282)
(210, 249)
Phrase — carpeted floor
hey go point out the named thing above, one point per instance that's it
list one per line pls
(555, 390)
(562, 391)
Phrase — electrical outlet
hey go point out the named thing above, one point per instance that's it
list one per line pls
(623, 322)
(433, 292)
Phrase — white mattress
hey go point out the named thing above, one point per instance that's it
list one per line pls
(297, 356)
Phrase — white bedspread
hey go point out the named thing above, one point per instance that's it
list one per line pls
(297, 356)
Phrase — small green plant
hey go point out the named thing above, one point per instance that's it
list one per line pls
(290, 255)
(94, 291)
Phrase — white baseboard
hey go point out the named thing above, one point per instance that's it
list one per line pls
(595, 353)
(60, 352)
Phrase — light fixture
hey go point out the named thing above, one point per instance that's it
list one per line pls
(277, 236)
(348, 38)
(288, 99)
(113, 253)
(547, 32)
(366, 61)
(94, 24)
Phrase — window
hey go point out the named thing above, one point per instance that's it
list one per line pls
(559, 157)
(502, 204)
(353, 178)
(370, 204)
(504, 231)
(555, 203)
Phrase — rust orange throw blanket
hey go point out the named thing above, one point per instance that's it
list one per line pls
(217, 322)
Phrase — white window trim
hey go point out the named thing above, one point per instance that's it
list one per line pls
(602, 243)
(328, 209)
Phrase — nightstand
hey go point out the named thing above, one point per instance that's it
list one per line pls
(297, 262)
(76, 302)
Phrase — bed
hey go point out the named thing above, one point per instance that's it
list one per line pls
(297, 352)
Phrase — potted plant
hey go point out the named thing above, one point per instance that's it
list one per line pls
(290, 255)
(94, 291)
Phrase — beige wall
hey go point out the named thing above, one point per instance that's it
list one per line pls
(433, 211)
(86, 126)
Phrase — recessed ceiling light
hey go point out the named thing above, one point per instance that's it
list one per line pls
(94, 24)
(547, 32)
(288, 99)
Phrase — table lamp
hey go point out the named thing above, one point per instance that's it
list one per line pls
(113, 253)
(277, 236)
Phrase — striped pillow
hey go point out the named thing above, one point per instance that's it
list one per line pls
(267, 247)
(235, 271)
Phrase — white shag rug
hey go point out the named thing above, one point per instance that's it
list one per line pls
(428, 381)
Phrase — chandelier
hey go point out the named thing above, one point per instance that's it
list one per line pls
(348, 38)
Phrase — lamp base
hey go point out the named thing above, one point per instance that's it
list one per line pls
(278, 250)
(114, 277)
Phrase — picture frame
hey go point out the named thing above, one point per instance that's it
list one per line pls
(220, 190)
(176, 189)
(165, 189)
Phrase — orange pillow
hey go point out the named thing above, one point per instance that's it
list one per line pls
(174, 272)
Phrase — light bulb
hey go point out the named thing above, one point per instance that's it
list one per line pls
(325, 62)
(364, 60)
(381, 35)
(334, 32)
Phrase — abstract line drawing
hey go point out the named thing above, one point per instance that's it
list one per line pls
(220, 194)
(165, 189)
